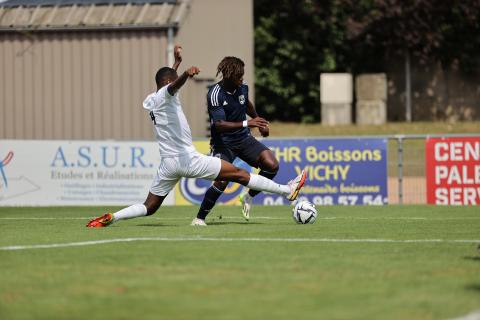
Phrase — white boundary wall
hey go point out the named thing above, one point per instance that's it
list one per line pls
(60, 172)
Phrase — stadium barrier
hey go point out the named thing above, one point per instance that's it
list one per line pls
(434, 169)
(370, 170)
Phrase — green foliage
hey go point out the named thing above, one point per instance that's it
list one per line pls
(295, 41)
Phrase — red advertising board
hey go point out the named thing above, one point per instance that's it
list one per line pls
(453, 170)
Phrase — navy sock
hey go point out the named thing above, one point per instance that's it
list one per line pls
(212, 195)
(265, 174)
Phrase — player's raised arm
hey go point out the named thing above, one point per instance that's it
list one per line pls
(180, 81)
(177, 53)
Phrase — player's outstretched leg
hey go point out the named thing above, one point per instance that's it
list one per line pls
(149, 207)
(268, 165)
(296, 185)
(291, 190)
(209, 200)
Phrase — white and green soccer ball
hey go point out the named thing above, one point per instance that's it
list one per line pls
(304, 212)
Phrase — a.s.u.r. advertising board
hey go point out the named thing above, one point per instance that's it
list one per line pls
(59, 172)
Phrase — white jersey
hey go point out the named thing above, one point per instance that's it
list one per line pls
(171, 128)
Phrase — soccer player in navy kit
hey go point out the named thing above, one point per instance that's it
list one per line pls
(178, 156)
(228, 107)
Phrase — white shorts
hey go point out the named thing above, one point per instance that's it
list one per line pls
(191, 165)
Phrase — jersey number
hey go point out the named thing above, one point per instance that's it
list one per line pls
(152, 116)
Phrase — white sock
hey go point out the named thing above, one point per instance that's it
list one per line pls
(261, 183)
(136, 210)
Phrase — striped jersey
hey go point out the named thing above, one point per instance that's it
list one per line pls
(227, 106)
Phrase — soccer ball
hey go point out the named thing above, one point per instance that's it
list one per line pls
(304, 212)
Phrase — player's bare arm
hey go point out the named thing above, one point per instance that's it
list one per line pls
(177, 53)
(226, 126)
(180, 81)
(252, 112)
(265, 131)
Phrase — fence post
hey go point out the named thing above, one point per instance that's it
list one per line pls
(400, 168)
(408, 88)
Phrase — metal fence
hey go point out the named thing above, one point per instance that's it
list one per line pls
(406, 167)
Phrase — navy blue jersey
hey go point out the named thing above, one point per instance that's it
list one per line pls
(231, 107)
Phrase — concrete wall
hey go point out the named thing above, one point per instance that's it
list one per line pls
(371, 98)
(214, 29)
(336, 96)
(209, 33)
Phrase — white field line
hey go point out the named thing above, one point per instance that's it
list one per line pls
(474, 315)
(258, 217)
(183, 239)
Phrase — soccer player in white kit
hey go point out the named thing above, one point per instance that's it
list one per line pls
(178, 157)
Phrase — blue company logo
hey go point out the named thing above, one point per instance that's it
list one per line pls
(3, 164)
(194, 189)
(108, 156)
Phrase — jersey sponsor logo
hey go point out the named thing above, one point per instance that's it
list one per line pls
(241, 99)
(194, 189)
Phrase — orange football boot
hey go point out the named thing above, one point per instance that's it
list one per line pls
(101, 222)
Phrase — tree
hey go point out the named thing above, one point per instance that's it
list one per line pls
(294, 42)
(297, 40)
(429, 29)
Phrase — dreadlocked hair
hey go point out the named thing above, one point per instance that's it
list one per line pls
(230, 67)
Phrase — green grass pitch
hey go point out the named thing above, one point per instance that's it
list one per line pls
(390, 262)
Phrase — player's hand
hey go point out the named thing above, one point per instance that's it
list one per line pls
(257, 123)
(177, 53)
(265, 132)
(192, 71)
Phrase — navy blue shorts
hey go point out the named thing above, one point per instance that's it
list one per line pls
(248, 150)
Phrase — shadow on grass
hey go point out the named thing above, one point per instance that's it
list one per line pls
(155, 225)
(218, 223)
(472, 258)
(473, 287)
